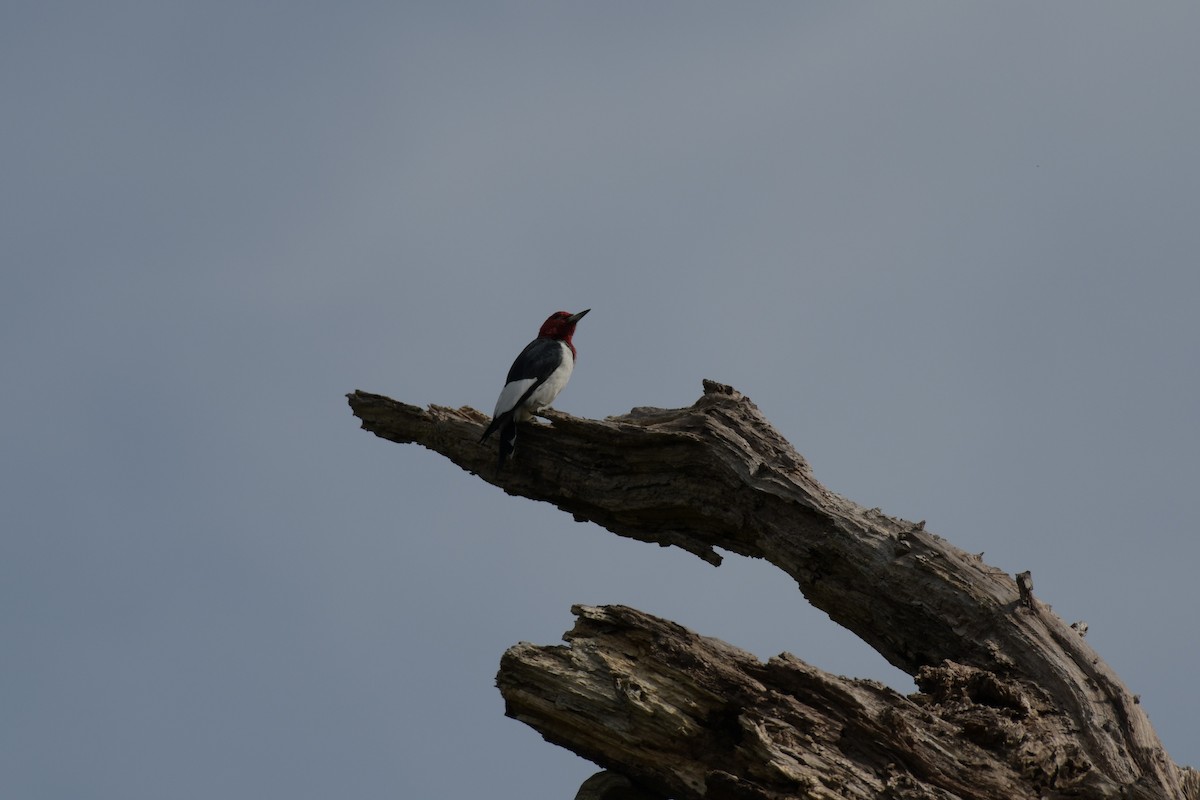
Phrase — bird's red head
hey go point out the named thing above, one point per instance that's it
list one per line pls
(561, 325)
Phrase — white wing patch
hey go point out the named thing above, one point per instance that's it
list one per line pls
(511, 393)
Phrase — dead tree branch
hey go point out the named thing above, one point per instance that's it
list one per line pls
(1013, 702)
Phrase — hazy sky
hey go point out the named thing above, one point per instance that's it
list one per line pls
(949, 249)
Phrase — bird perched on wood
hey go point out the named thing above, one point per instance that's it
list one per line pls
(535, 379)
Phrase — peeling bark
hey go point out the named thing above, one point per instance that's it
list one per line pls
(1012, 702)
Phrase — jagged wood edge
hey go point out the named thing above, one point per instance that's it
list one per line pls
(717, 474)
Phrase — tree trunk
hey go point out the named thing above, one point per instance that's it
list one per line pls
(1013, 703)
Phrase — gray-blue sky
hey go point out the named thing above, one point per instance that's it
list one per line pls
(949, 250)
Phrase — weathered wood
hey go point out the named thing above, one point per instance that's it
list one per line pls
(1002, 677)
(695, 717)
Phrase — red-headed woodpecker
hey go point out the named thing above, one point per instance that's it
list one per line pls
(535, 379)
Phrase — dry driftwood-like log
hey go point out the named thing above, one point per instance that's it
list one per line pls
(1012, 704)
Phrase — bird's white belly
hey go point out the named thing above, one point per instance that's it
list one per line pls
(544, 395)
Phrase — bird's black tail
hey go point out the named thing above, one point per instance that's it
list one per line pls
(493, 425)
(508, 442)
(508, 437)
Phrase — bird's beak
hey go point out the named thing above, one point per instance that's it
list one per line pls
(576, 317)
